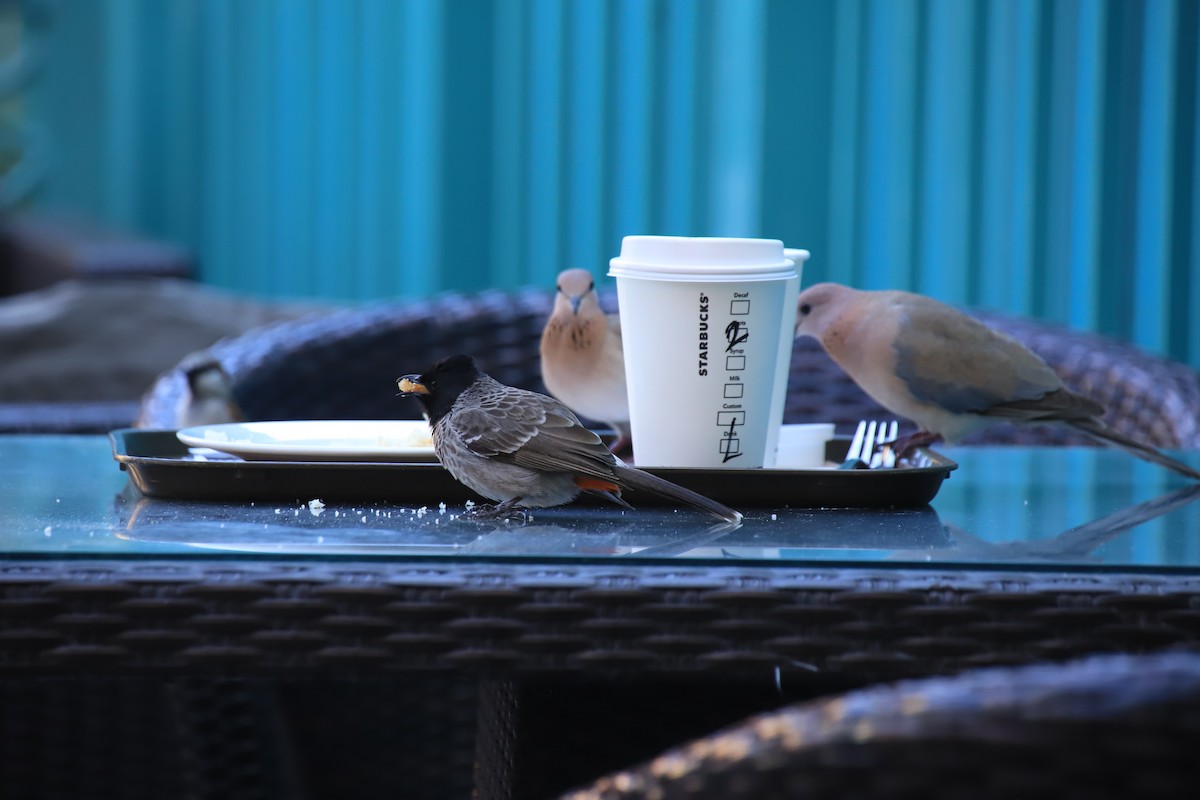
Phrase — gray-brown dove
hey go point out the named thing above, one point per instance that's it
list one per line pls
(946, 371)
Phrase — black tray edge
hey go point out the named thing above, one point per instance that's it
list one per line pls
(151, 457)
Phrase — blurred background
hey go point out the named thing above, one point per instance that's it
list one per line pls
(1031, 156)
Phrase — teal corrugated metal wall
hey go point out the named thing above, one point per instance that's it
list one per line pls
(1035, 156)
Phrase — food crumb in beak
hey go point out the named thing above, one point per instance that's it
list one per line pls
(409, 386)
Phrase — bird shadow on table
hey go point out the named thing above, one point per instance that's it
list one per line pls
(1078, 543)
(593, 538)
(917, 534)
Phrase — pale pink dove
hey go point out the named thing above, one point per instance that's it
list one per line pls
(582, 361)
(947, 372)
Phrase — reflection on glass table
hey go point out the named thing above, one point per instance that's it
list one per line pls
(1040, 507)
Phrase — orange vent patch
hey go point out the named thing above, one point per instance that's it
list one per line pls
(595, 484)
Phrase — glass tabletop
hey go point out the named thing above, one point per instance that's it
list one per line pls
(1043, 508)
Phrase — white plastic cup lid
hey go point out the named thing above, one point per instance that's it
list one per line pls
(704, 258)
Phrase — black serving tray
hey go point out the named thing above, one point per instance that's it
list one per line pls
(159, 465)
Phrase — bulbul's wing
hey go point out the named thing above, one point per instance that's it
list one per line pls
(531, 430)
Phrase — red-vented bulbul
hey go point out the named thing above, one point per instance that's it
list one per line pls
(523, 449)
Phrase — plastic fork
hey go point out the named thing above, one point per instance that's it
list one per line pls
(884, 436)
(857, 457)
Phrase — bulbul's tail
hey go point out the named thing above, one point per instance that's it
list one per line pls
(1098, 430)
(642, 481)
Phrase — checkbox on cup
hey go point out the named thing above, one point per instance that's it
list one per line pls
(730, 419)
(735, 363)
(734, 391)
(739, 308)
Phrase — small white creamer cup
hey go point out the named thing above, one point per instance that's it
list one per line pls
(803, 446)
(707, 326)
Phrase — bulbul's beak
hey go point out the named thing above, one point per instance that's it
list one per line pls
(411, 384)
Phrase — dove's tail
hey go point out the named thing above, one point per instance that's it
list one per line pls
(642, 481)
(1098, 430)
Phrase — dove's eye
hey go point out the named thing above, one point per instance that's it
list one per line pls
(805, 308)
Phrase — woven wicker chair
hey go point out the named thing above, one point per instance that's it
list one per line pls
(341, 365)
(1113, 726)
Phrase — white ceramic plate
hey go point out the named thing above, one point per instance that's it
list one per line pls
(317, 440)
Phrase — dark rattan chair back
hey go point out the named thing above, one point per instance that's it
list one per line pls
(342, 365)
(1114, 726)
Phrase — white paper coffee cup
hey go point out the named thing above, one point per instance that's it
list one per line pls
(707, 328)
